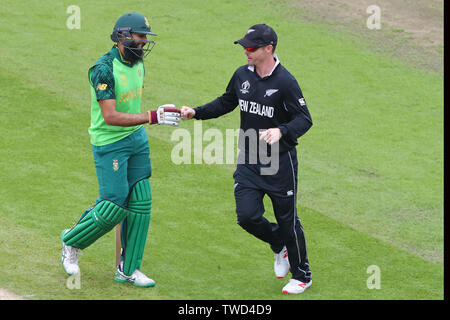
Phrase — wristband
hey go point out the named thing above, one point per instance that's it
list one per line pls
(152, 117)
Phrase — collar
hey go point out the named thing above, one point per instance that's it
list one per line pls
(277, 62)
(116, 53)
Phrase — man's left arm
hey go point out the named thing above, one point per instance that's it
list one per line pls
(300, 121)
(295, 104)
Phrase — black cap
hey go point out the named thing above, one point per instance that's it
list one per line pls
(259, 35)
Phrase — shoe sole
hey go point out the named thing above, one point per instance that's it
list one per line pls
(304, 289)
(134, 284)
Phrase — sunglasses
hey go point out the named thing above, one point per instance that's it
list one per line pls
(252, 49)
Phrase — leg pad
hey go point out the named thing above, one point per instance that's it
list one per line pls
(135, 226)
(95, 223)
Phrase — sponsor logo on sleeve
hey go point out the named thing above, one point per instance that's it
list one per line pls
(101, 86)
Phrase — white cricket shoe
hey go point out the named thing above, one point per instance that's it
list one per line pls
(69, 257)
(137, 278)
(281, 265)
(296, 286)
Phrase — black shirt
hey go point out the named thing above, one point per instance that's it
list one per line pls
(275, 101)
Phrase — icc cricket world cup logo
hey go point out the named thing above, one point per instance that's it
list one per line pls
(245, 86)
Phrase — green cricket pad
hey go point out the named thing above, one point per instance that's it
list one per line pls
(135, 226)
(95, 223)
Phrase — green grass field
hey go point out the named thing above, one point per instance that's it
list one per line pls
(370, 169)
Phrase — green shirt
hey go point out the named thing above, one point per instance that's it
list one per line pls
(113, 78)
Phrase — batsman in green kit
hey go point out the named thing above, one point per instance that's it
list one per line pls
(121, 152)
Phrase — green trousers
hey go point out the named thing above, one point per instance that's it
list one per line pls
(120, 165)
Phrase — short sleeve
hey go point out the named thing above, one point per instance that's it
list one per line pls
(102, 80)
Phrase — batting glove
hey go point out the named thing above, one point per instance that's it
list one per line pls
(165, 114)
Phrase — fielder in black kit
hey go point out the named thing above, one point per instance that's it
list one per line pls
(273, 109)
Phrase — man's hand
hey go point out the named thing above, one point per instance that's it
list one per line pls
(271, 135)
(187, 113)
(165, 114)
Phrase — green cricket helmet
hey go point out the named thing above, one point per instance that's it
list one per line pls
(129, 23)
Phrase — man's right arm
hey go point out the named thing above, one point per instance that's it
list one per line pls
(165, 114)
(115, 118)
(102, 80)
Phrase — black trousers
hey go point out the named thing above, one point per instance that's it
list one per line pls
(250, 189)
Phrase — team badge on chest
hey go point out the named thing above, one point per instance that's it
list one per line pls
(115, 164)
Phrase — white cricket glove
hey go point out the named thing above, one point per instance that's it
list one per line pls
(166, 114)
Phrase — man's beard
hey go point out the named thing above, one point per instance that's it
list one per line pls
(132, 53)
